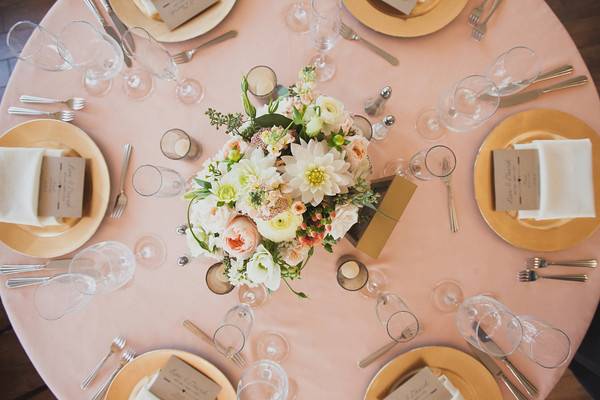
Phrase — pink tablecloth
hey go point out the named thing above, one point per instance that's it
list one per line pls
(333, 329)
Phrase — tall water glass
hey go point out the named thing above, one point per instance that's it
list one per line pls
(263, 380)
(325, 22)
(514, 70)
(36, 45)
(63, 294)
(154, 181)
(547, 346)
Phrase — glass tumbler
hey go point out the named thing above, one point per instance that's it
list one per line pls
(175, 144)
(263, 380)
(154, 181)
(435, 162)
(38, 46)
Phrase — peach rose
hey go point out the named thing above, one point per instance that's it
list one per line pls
(241, 238)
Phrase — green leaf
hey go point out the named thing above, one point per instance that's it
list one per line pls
(302, 295)
(203, 183)
(271, 120)
(298, 116)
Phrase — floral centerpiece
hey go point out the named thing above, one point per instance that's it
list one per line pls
(292, 176)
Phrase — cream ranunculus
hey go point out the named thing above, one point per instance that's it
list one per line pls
(332, 110)
(261, 268)
(314, 126)
(241, 238)
(294, 253)
(209, 216)
(280, 228)
(345, 217)
(356, 150)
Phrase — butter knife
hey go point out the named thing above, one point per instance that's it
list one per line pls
(451, 206)
(107, 28)
(523, 97)
(118, 23)
(495, 370)
(9, 269)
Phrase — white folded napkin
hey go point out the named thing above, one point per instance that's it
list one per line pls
(141, 391)
(566, 179)
(20, 170)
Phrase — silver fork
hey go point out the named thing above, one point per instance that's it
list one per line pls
(74, 103)
(476, 13)
(349, 34)
(126, 357)
(408, 333)
(480, 30)
(539, 262)
(121, 199)
(529, 275)
(65, 115)
(117, 345)
(186, 56)
(237, 358)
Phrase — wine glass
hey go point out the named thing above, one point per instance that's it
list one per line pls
(63, 294)
(547, 346)
(435, 162)
(262, 380)
(272, 346)
(465, 106)
(154, 181)
(514, 70)
(253, 296)
(394, 315)
(375, 285)
(447, 296)
(151, 55)
(399, 167)
(325, 22)
(296, 16)
(230, 338)
(150, 251)
(37, 46)
(489, 325)
(96, 53)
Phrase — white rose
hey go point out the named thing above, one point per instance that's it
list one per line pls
(213, 243)
(280, 228)
(345, 217)
(261, 268)
(211, 218)
(356, 150)
(332, 110)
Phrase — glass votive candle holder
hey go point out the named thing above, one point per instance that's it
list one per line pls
(362, 126)
(175, 144)
(217, 280)
(262, 83)
(352, 274)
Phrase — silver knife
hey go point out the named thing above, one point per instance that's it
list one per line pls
(490, 365)
(9, 269)
(526, 383)
(523, 97)
(118, 23)
(107, 28)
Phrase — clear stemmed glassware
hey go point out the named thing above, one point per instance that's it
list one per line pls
(325, 22)
(150, 251)
(154, 181)
(296, 16)
(96, 53)
(436, 162)
(230, 338)
(253, 296)
(399, 167)
(399, 322)
(272, 346)
(489, 325)
(375, 284)
(63, 294)
(262, 380)
(151, 55)
(447, 296)
(36, 45)
(547, 346)
(465, 106)
(514, 70)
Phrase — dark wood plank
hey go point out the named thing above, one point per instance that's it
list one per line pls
(568, 388)
(17, 374)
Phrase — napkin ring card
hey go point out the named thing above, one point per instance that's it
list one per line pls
(178, 380)
(374, 227)
(61, 187)
(516, 180)
(176, 12)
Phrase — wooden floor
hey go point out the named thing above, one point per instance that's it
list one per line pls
(18, 378)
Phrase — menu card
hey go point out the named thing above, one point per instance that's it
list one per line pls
(516, 180)
(404, 6)
(61, 187)
(176, 12)
(178, 380)
(423, 386)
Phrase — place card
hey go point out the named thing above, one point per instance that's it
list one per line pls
(178, 380)
(176, 12)
(61, 187)
(404, 6)
(423, 386)
(516, 180)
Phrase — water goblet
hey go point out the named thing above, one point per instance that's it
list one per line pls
(37, 46)
(325, 22)
(465, 106)
(152, 56)
(436, 162)
(399, 167)
(150, 251)
(272, 346)
(447, 296)
(262, 380)
(547, 346)
(96, 53)
(296, 16)
(375, 285)
(63, 294)
(514, 70)
(154, 181)
(253, 296)
(399, 322)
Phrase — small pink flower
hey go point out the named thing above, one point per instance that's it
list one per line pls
(298, 208)
(241, 238)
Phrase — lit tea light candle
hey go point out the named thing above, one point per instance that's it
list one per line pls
(261, 81)
(350, 269)
(181, 147)
(221, 274)
(352, 275)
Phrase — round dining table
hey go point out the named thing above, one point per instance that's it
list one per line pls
(331, 330)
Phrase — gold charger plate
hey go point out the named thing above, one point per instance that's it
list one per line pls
(56, 241)
(148, 363)
(524, 127)
(466, 373)
(131, 16)
(426, 18)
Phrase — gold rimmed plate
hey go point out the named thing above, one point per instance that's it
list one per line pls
(427, 17)
(131, 16)
(56, 241)
(148, 363)
(524, 127)
(466, 373)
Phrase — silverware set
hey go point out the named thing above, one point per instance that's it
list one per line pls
(237, 358)
(535, 263)
(121, 199)
(349, 34)
(9, 269)
(117, 345)
(126, 358)
(74, 103)
(480, 25)
(64, 115)
(451, 206)
(186, 56)
(539, 262)
(529, 275)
